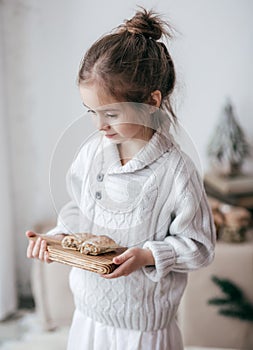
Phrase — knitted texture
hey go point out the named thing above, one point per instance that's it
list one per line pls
(155, 201)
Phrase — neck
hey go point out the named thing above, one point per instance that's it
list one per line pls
(129, 148)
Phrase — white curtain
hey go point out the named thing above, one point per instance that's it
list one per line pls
(8, 298)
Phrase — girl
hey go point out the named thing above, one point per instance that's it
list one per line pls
(133, 183)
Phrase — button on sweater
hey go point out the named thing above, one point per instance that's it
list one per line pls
(155, 201)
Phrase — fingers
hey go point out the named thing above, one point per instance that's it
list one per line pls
(30, 234)
(127, 266)
(131, 260)
(37, 249)
(46, 257)
(30, 247)
(122, 270)
(42, 250)
(120, 259)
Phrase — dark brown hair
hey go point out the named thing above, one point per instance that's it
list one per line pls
(130, 63)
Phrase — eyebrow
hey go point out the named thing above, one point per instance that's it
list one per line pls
(103, 110)
(91, 110)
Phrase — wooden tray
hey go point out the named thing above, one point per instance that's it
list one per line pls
(101, 264)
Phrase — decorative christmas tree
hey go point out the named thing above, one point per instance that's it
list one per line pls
(235, 304)
(228, 146)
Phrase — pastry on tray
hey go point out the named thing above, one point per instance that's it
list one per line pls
(90, 244)
(67, 251)
(74, 241)
(98, 245)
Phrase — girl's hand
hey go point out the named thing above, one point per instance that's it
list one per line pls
(38, 249)
(131, 260)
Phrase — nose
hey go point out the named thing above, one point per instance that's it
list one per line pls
(102, 123)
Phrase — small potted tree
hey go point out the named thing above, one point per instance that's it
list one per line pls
(228, 147)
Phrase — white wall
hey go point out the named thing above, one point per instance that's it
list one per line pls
(8, 290)
(44, 42)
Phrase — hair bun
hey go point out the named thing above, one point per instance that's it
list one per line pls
(146, 23)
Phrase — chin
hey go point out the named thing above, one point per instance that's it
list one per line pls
(116, 141)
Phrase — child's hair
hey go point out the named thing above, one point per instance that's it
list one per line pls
(130, 63)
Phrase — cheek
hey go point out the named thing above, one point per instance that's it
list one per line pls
(127, 129)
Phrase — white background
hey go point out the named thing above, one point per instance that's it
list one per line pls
(43, 42)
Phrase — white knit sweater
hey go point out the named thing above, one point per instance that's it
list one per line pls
(155, 200)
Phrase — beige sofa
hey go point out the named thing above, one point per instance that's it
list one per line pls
(200, 323)
(50, 288)
(53, 298)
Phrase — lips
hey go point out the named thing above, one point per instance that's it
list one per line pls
(110, 135)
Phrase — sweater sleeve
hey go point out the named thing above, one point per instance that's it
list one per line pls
(191, 236)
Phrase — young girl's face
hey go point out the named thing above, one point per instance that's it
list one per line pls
(118, 121)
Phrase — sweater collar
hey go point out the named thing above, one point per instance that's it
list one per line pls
(160, 142)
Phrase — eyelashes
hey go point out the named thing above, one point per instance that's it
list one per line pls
(107, 115)
(90, 111)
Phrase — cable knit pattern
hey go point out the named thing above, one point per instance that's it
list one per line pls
(155, 201)
(165, 258)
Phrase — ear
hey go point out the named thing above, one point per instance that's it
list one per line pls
(155, 98)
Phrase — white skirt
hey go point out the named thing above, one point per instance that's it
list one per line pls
(87, 334)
